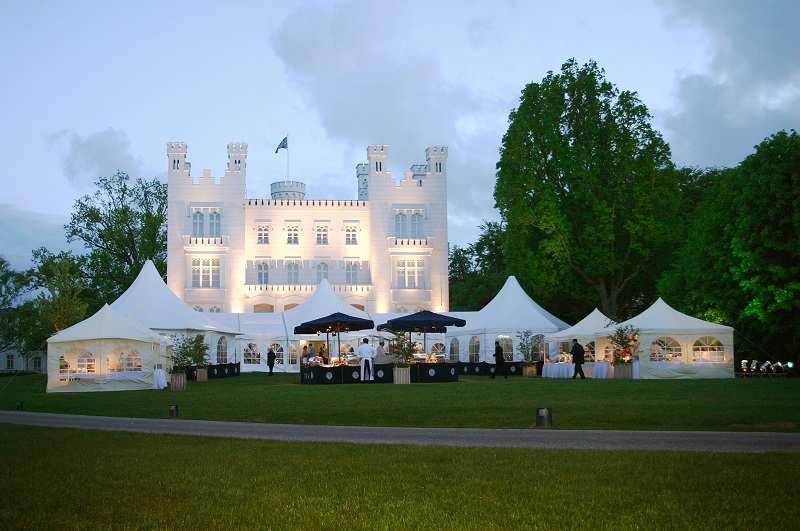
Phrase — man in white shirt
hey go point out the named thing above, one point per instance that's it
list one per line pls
(366, 352)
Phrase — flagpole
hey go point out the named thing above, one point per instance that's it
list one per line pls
(287, 156)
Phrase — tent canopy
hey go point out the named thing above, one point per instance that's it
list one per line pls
(424, 321)
(335, 322)
(586, 330)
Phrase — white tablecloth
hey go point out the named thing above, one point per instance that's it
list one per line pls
(159, 379)
(558, 370)
(602, 370)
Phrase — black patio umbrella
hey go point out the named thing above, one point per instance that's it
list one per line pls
(423, 322)
(336, 322)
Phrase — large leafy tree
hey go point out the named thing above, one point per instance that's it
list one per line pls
(477, 272)
(587, 191)
(123, 224)
(13, 286)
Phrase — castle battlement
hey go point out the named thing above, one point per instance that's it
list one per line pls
(307, 203)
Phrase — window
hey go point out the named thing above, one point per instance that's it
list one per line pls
(292, 235)
(351, 274)
(197, 225)
(589, 351)
(37, 363)
(322, 235)
(410, 274)
(124, 360)
(292, 272)
(277, 348)
(86, 362)
(474, 349)
(293, 354)
(222, 350)
(9, 361)
(322, 272)
(508, 347)
(252, 355)
(708, 349)
(205, 272)
(416, 225)
(262, 267)
(437, 350)
(454, 348)
(263, 308)
(400, 229)
(215, 309)
(214, 225)
(350, 236)
(665, 349)
(263, 235)
(198, 309)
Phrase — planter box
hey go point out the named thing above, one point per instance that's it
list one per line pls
(401, 375)
(529, 372)
(202, 375)
(177, 381)
(623, 371)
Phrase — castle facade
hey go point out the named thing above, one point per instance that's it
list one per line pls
(384, 252)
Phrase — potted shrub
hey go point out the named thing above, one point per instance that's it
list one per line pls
(624, 340)
(188, 352)
(528, 346)
(403, 350)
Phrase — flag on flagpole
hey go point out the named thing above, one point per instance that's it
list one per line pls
(283, 145)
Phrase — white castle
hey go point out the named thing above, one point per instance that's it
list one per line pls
(383, 252)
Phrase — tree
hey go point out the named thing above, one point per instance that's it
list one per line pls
(587, 191)
(123, 225)
(63, 301)
(478, 272)
(13, 286)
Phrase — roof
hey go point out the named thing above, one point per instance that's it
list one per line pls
(321, 303)
(661, 316)
(585, 330)
(107, 324)
(152, 303)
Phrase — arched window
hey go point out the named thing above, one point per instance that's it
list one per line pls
(252, 354)
(292, 272)
(454, 350)
(293, 354)
(608, 352)
(322, 235)
(86, 362)
(277, 348)
(322, 272)
(222, 350)
(708, 349)
(197, 225)
(474, 349)
(589, 351)
(262, 268)
(263, 308)
(400, 229)
(351, 274)
(198, 309)
(292, 235)
(438, 351)
(263, 235)
(215, 309)
(416, 225)
(508, 347)
(214, 225)
(667, 349)
(350, 236)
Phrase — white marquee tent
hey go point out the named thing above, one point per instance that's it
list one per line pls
(690, 347)
(511, 311)
(586, 331)
(106, 352)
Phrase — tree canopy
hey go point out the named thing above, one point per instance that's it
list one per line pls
(123, 224)
(587, 191)
(13, 286)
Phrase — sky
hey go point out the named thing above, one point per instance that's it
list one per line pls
(92, 87)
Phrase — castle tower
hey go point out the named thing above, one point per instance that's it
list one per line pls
(237, 158)
(176, 153)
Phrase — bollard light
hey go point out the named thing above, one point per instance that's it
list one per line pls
(544, 417)
(173, 411)
(19, 405)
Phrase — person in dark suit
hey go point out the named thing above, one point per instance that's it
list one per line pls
(577, 353)
(270, 360)
(500, 360)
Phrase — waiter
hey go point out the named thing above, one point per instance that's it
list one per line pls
(366, 352)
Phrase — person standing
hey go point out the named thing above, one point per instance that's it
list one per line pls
(380, 351)
(312, 352)
(270, 360)
(322, 355)
(366, 352)
(577, 353)
(304, 356)
(499, 361)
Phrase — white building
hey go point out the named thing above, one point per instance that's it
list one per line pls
(383, 252)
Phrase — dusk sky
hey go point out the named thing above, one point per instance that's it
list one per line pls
(90, 87)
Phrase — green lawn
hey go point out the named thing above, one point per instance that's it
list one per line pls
(718, 405)
(55, 478)
(64, 478)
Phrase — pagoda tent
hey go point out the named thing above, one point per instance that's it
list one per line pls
(586, 332)
(256, 334)
(106, 352)
(149, 301)
(687, 347)
(509, 312)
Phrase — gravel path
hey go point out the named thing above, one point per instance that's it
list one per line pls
(699, 441)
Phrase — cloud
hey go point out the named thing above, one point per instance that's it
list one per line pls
(369, 83)
(85, 158)
(752, 87)
(24, 231)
